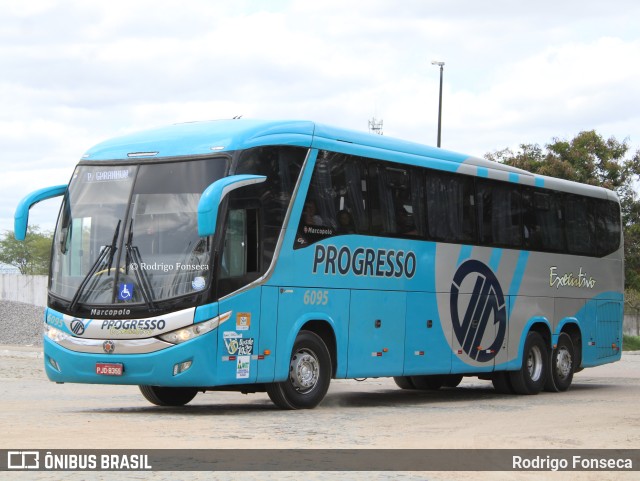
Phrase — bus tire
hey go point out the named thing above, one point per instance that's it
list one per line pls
(428, 383)
(531, 377)
(309, 374)
(561, 365)
(168, 396)
(404, 382)
(502, 383)
(452, 380)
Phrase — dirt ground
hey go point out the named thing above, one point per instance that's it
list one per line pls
(599, 411)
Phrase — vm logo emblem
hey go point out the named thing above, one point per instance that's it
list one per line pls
(484, 310)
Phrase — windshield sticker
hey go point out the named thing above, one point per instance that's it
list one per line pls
(198, 283)
(243, 321)
(125, 292)
(107, 176)
(580, 280)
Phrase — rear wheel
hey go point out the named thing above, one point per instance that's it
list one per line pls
(428, 383)
(502, 383)
(561, 365)
(452, 380)
(168, 396)
(531, 377)
(404, 382)
(309, 374)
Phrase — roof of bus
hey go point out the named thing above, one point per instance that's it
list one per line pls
(208, 137)
(197, 138)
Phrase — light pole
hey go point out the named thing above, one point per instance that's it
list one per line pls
(441, 65)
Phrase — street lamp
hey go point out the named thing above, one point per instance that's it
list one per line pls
(441, 65)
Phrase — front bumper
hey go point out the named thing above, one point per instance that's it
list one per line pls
(154, 368)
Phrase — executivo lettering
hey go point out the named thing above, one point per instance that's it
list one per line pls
(569, 279)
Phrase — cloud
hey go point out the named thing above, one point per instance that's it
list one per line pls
(77, 72)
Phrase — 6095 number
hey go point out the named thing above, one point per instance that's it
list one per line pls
(316, 297)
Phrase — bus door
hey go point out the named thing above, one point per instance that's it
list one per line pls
(427, 349)
(238, 338)
(376, 333)
(238, 265)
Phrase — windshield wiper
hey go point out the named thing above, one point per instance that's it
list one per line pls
(133, 254)
(107, 250)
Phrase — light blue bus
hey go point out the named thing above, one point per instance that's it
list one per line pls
(274, 256)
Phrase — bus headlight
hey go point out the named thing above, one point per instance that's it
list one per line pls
(191, 332)
(56, 335)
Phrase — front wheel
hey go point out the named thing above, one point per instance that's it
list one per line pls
(531, 377)
(309, 374)
(168, 396)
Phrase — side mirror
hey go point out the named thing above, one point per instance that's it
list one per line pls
(21, 217)
(213, 195)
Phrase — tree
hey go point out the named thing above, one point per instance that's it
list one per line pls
(632, 303)
(30, 256)
(590, 159)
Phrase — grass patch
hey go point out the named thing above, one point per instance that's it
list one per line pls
(630, 343)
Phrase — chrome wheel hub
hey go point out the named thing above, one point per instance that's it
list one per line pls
(304, 371)
(534, 363)
(563, 363)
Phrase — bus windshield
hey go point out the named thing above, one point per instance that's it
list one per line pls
(128, 234)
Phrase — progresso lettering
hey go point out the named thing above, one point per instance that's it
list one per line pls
(146, 324)
(363, 261)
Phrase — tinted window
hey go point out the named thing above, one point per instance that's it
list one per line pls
(350, 195)
(499, 214)
(608, 226)
(580, 225)
(256, 213)
(451, 208)
(337, 199)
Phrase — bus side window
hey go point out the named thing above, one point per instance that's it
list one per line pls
(336, 201)
(239, 262)
(579, 225)
(530, 227)
(499, 214)
(608, 226)
(451, 212)
(548, 213)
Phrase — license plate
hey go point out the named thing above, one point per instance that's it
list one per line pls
(109, 369)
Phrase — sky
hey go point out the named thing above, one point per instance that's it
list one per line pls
(75, 73)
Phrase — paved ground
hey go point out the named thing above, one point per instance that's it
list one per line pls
(599, 411)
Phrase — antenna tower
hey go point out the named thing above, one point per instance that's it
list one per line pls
(375, 126)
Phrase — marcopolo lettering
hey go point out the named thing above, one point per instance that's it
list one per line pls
(363, 261)
(146, 324)
(110, 312)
